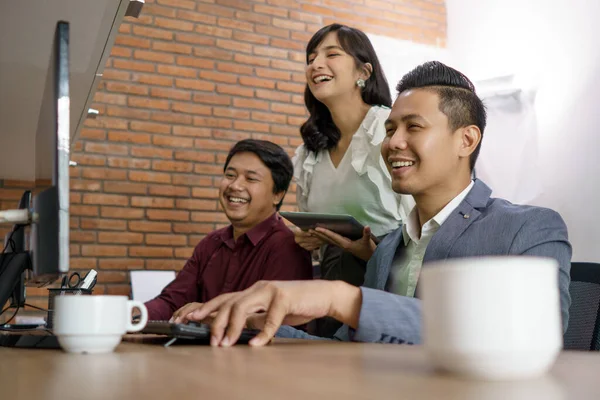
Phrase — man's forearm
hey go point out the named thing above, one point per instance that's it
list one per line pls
(346, 303)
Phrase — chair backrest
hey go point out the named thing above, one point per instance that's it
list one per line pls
(583, 331)
(146, 285)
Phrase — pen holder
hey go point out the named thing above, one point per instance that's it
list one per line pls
(53, 292)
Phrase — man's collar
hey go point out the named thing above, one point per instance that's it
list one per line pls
(411, 228)
(255, 234)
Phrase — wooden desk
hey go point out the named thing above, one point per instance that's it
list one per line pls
(284, 370)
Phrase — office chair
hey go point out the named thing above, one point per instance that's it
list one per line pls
(583, 331)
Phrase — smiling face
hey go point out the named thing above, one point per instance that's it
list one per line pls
(331, 72)
(246, 191)
(422, 153)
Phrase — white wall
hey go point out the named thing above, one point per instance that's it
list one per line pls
(553, 48)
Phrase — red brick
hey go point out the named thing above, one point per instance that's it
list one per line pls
(209, 217)
(209, 98)
(120, 237)
(305, 17)
(182, 252)
(299, 77)
(188, 4)
(248, 103)
(103, 224)
(79, 263)
(132, 41)
(195, 84)
(288, 109)
(218, 76)
(270, 52)
(235, 24)
(152, 32)
(177, 71)
(194, 180)
(106, 148)
(272, 31)
(121, 212)
(103, 173)
(252, 17)
(252, 60)
(146, 226)
(154, 56)
(108, 122)
(196, 17)
(269, 117)
(277, 11)
(114, 111)
(147, 251)
(214, 31)
(110, 98)
(213, 122)
(291, 87)
(99, 198)
(85, 185)
(257, 82)
(195, 62)
(192, 204)
(114, 277)
(154, 9)
(171, 264)
(231, 112)
(280, 140)
(298, 99)
(240, 4)
(178, 48)
(192, 228)
(104, 250)
(194, 39)
(168, 215)
(235, 68)
(74, 250)
(169, 141)
(170, 93)
(82, 237)
(112, 74)
(125, 187)
(93, 134)
(169, 190)
(273, 74)
(208, 193)
(250, 126)
(74, 198)
(88, 211)
(317, 10)
(190, 131)
(145, 102)
(144, 176)
(170, 117)
(172, 166)
(137, 138)
(214, 53)
(121, 263)
(176, 24)
(303, 37)
(285, 3)
(234, 45)
(272, 95)
(296, 121)
(285, 130)
(166, 240)
(288, 24)
(214, 10)
(191, 108)
(133, 163)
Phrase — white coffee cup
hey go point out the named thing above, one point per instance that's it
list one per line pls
(94, 324)
(494, 318)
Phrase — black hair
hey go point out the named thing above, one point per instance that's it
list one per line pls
(458, 100)
(319, 132)
(273, 156)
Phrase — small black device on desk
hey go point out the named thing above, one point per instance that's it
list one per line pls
(189, 333)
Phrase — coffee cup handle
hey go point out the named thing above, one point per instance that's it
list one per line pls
(139, 325)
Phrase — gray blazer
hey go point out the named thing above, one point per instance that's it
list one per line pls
(493, 227)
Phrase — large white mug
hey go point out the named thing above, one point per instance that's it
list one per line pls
(492, 317)
(95, 324)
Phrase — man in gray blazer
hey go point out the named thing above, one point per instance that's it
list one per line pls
(433, 138)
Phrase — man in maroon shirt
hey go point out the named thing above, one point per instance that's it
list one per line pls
(256, 246)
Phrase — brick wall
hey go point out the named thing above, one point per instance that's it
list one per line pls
(185, 81)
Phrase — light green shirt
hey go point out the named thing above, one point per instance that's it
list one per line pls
(406, 266)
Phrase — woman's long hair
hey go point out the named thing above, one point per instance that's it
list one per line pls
(319, 132)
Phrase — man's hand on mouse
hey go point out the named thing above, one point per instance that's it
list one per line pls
(269, 304)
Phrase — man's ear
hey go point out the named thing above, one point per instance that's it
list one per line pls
(277, 197)
(366, 71)
(470, 137)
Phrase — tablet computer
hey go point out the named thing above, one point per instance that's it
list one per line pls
(342, 224)
(191, 332)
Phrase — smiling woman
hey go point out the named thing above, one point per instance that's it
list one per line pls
(339, 168)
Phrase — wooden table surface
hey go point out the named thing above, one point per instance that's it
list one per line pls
(283, 370)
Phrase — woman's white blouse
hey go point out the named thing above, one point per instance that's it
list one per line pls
(360, 186)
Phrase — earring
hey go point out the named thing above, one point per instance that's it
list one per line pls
(360, 83)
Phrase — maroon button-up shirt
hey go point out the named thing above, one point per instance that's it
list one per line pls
(221, 265)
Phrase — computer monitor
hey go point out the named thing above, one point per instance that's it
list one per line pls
(47, 256)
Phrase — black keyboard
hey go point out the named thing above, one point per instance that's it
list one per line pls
(191, 331)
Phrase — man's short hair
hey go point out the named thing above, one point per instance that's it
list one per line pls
(273, 156)
(458, 100)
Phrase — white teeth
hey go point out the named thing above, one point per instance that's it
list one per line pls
(397, 164)
(322, 78)
(237, 200)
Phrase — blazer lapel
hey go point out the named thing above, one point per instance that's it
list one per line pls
(378, 269)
